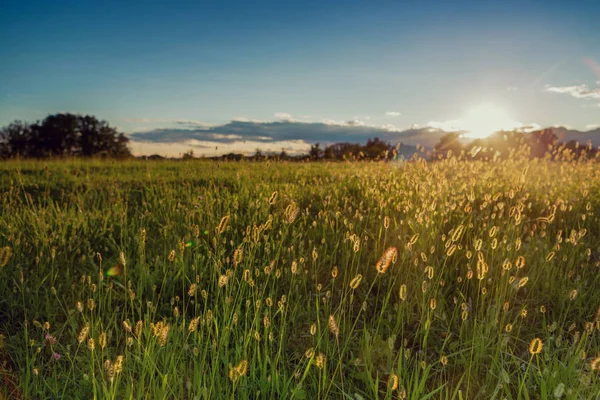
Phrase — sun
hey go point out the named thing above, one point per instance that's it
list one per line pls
(483, 120)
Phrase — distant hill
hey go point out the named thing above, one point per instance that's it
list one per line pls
(565, 135)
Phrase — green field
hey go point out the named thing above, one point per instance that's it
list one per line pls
(196, 279)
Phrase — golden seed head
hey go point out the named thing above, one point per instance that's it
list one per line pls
(320, 360)
(573, 294)
(433, 304)
(536, 345)
(118, 365)
(595, 364)
(193, 324)
(102, 340)
(83, 334)
(403, 292)
(192, 290)
(223, 279)
(386, 260)
(393, 381)
(523, 281)
(333, 326)
(355, 282)
(238, 255)
(223, 224)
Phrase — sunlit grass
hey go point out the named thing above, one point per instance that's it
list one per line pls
(266, 280)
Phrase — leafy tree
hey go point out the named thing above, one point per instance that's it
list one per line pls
(376, 149)
(315, 152)
(63, 135)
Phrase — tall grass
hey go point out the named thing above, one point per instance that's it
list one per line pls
(193, 280)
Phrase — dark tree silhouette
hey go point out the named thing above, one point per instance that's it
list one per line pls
(376, 149)
(63, 135)
(315, 151)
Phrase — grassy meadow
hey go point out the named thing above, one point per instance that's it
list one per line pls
(274, 280)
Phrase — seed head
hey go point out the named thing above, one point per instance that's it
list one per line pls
(355, 282)
(536, 345)
(333, 326)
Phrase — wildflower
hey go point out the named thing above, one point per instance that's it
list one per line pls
(48, 339)
(56, 356)
(536, 345)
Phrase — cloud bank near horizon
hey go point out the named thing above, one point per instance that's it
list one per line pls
(293, 136)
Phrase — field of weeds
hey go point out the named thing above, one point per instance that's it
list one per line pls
(207, 280)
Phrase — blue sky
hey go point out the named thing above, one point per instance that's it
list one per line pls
(389, 66)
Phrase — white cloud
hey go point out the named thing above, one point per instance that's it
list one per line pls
(577, 91)
(592, 127)
(355, 122)
(283, 116)
(392, 114)
(212, 149)
(512, 89)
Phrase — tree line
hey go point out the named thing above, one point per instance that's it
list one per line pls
(68, 135)
(62, 135)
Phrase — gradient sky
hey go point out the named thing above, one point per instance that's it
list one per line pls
(395, 64)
